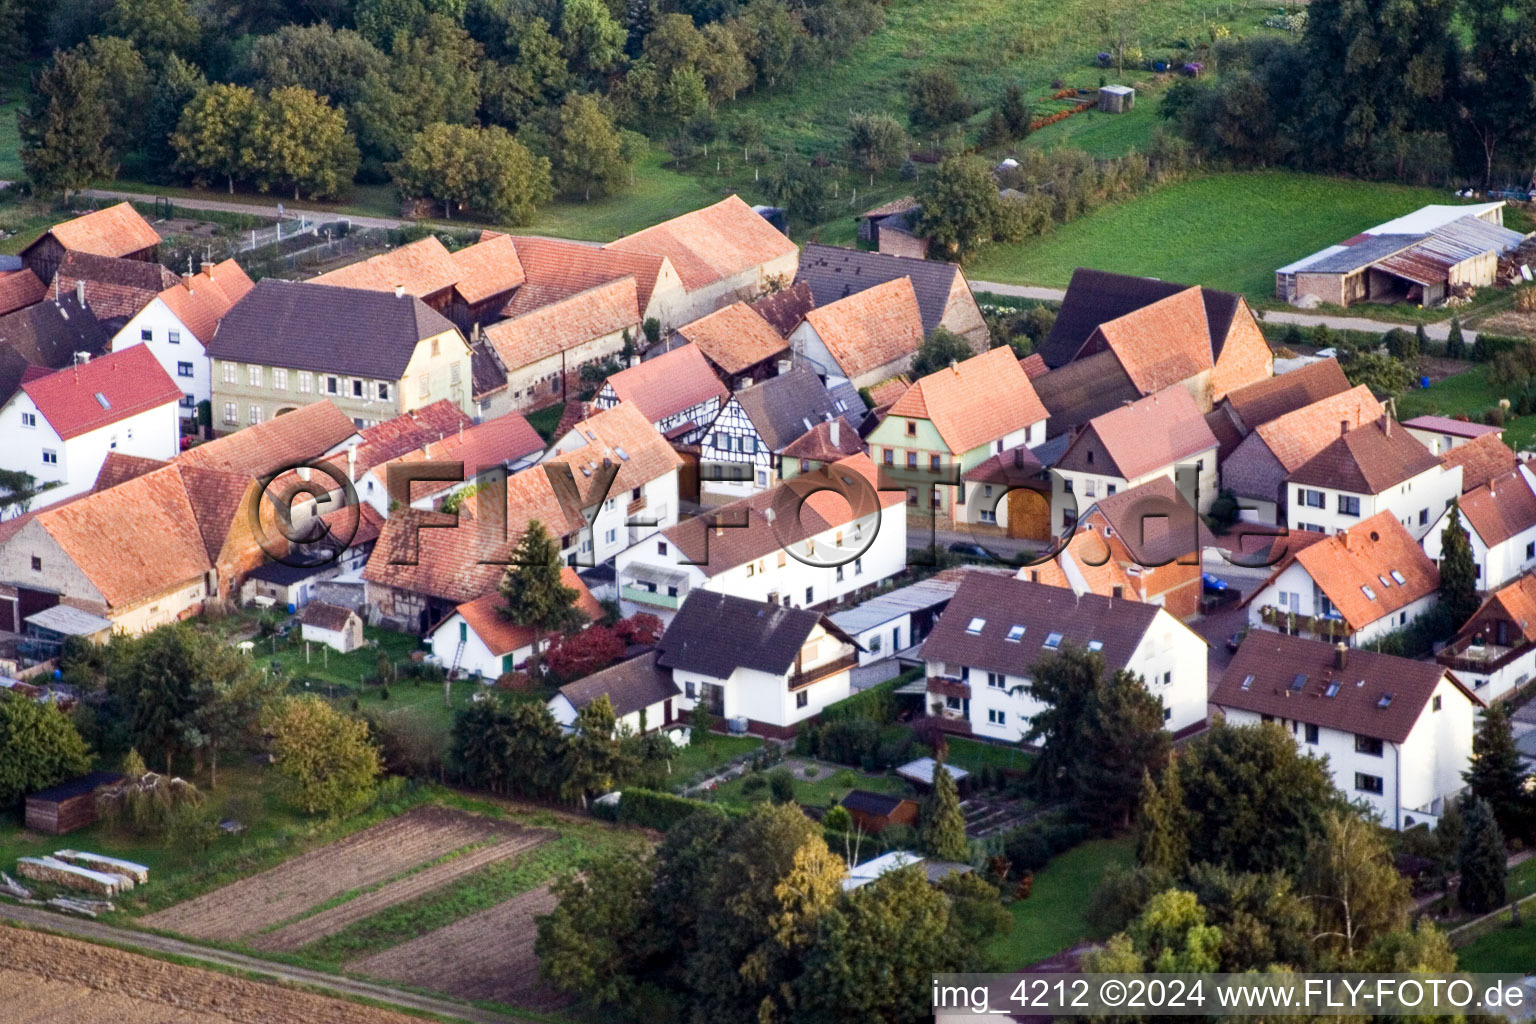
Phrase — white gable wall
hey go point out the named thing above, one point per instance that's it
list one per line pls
(179, 352)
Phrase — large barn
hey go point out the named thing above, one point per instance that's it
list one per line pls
(1421, 258)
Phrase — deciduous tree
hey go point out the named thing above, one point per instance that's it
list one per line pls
(590, 38)
(211, 137)
(1353, 887)
(961, 211)
(935, 100)
(327, 758)
(298, 140)
(587, 151)
(878, 142)
(71, 132)
(158, 29)
(38, 748)
(598, 939)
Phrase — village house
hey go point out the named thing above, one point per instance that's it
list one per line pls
(47, 336)
(741, 346)
(677, 391)
(376, 355)
(60, 426)
(982, 652)
(180, 321)
(340, 629)
(951, 421)
(1244, 410)
(722, 253)
(642, 693)
(117, 231)
(943, 295)
(19, 289)
(1481, 460)
(739, 454)
(470, 286)
(1397, 733)
(341, 550)
(775, 667)
(1012, 494)
(826, 442)
(889, 227)
(1257, 469)
(639, 498)
(480, 640)
(555, 270)
(1442, 435)
(785, 308)
(1084, 566)
(795, 545)
(1377, 467)
(1156, 436)
(1161, 334)
(1495, 651)
(899, 619)
(864, 338)
(1357, 585)
(1499, 519)
(116, 290)
(544, 351)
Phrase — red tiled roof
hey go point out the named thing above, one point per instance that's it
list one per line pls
(976, 401)
(711, 244)
(669, 384)
(103, 391)
(423, 268)
(1155, 522)
(1085, 564)
(394, 438)
(624, 436)
(1156, 431)
(496, 442)
(450, 563)
(19, 288)
(871, 328)
(199, 301)
(557, 269)
(1163, 343)
(735, 337)
(816, 444)
(1297, 436)
(785, 309)
(1264, 400)
(487, 268)
(1367, 461)
(566, 323)
(113, 231)
(503, 636)
(1514, 602)
(1034, 365)
(1480, 459)
(1500, 508)
(1454, 427)
(1361, 556)
(118, 468)
(305, 433)
(114, 287)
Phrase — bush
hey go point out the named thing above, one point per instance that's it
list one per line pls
(1031, 847)
(649, 808)
(781, 785)
(848, 741)
(754, 783)
(838, 819)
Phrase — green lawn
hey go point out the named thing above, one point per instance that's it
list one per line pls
(1466, 393)
(823, 793)
(545, 420)
(1052, 919)
(713, 752)
(973, 755)
(1222, 230)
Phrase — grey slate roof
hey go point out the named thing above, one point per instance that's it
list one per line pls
(1096, 296)
(1362, 254)
(715, 634)
(834, 273)
(307, 326)
(1002, 602)
(784, 407)
(630, 685)
(47, 335)
(1077, 392)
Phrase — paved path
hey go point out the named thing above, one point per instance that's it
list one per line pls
(330, 984)
(254, 209)
(1019, 291)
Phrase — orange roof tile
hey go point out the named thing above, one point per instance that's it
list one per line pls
(1084, 565)
(556, 269)
(1297, 436)
(1148, 434)
(974, 402)
(1500, 508)
(19, 289)
(1480, 459)
(305, 433)
(450, 563)
(624, 436)
(423, 268)
(671, 383)
(487, 268)
(889, 391)
(816, 444)
(401, 435)
(1163, 343)
(113, 231)
(496, 442)
(1517, 603)
(564, 324)
(1360, 557)
(711, 244)
(503, 636)
(201, 300)
(1034, 365)
(735, 338)
(92, 395)
(871, 328)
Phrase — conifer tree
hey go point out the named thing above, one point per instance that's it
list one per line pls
(943, 823)
(1481, 861)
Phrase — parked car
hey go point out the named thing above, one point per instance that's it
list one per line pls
(970, 549)
(1212, 584)
(1235, 641)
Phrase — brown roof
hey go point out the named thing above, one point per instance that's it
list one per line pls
(555, 269)
(503, 636)
(1084, 565)
(1292, 677)
(1082, 389)
(1146, 435)
(871, 328)
(219, 501)
(1514, 602)
(305, 433)
(974, 402)
(114, 231)
(410, 432)
(19, 288)
(103, 391)
(423, 268)
(487, 268)
(451, 564)
(566, 323)
(497, 442)
(629, 686)
(1016, 467)
(1451, 425)
(326, 616)
(1367, 461)
(118, 468)
(201, 300)
(114, 288)
(802, 507)
(711, 244)
(784, 309)
(671, 383)
(735, 338)
(624, 436)
(1297, 436)
(1362, 556)
(1264, 400)
(886, 393)
(1095, 297)
(1224, 426)
(901, 205)
(1163, 343)
(1501, 508)
(1480, 459)
(816, 444)
(1034, 365)
(1155, 522)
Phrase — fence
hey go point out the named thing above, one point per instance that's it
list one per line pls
(258, 238)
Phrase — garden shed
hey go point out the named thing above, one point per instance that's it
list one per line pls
(1116, 99)
(338, 628)
(69, 805)
(875, 812)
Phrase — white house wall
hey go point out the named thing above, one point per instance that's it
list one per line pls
(152, 434)
(1416, 503)
(183, 359)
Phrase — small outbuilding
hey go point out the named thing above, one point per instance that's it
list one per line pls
(69, 805)
(338, 628)
(876, 812)
(1116, 99)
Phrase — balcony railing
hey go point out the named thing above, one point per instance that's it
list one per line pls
(1476, 658)
(635, 506)
(949, 686)
(1324, 627)
(651, 597)
(805, 677)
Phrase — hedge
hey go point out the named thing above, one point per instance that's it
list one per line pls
(650, 808)
(878, 703)
(1491, 346)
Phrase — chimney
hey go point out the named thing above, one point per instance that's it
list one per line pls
(1386, 422)
(1343, 426)
(80, 292)
(1018, 457)
(785, 365)
(399, 291)
(352, 462)
(1340, 656)
(955, 366)
(835, 432)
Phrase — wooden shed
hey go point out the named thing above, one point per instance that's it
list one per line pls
(875, 812)
(1116, 99)
(69, 805)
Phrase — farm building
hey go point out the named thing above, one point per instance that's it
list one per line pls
(69, 805)
(338, 628)
(1117, 99)
(1421, 258)
(875, 812)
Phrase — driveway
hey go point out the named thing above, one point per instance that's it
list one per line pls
(1215, 629)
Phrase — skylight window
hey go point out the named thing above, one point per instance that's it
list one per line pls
(1095, 645)
(975, 626)
(1299, 681)
(1367, 591)
(1248, 681)
(1053, 641)
(101, 400)
(1332, 691)
(1015, 634)
(1398, 577)
(1385, 583)
(1385, 700)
